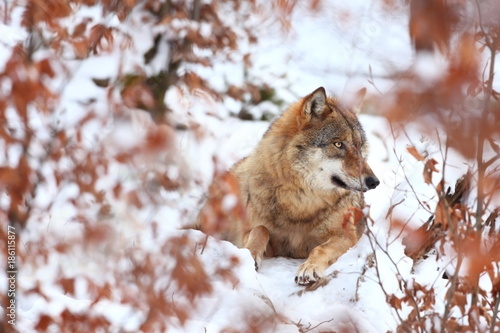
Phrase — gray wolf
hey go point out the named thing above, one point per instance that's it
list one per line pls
(301, 190)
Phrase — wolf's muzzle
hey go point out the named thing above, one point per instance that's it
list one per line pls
(371, 182)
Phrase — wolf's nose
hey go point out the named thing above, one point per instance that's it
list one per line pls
(371, 182)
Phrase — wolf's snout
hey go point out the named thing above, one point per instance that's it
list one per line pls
(372, 182)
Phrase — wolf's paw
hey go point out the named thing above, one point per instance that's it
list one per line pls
(309, 273)
(257, 257)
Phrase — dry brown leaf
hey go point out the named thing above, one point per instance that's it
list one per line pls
(414, 152)
(429, 168)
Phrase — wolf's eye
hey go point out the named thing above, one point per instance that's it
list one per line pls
(338, 144)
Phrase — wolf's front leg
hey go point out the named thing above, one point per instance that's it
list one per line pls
(320, 258)
(257, 240)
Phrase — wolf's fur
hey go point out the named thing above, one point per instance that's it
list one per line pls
(300, 184)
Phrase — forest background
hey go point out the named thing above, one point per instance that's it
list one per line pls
(116, 116)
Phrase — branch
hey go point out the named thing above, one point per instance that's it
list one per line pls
(373, 243)
(195, 13)
(481, 27)
(308, 329)
(481, 166)
(495, 313)
(492, 160)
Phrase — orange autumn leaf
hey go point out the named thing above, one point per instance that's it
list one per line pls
(429, 168)
(414, 152)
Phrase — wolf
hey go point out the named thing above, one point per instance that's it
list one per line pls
(302, 186)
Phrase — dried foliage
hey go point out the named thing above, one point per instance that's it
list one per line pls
(463, 103)
(44, 155)
(55, 162)
(223, 205)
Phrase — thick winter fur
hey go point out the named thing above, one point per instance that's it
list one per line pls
(305, 175)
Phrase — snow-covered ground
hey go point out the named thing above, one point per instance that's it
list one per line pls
(337, 48)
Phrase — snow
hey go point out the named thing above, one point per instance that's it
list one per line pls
(338, 58)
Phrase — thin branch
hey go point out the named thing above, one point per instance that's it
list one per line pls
(492, 160)
(374, 243)
(308, 329)
(195, 13)
(449, 294)
(481, 27)
(405, 175)
(495, 313)
(481, 166)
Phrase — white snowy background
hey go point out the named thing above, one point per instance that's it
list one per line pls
(333, 48)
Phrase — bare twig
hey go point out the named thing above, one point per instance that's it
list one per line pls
(482, 165)
(374, 244)
(495, 314)
(310, 328)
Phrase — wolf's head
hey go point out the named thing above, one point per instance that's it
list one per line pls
(330, 145)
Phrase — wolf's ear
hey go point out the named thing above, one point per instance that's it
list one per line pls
(315, 103)
(359, 97)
